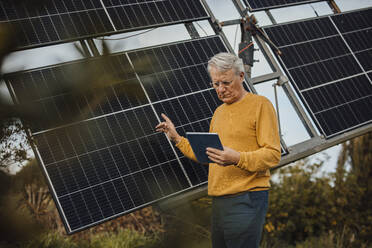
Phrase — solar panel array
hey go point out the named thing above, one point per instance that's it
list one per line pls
(109, 161)
(65, 20)
(328, 60)
(257, 5)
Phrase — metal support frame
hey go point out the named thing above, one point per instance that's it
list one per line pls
(300, 111)
(332, 4)
(277, 107)
(271, 17)
(318, 144)
(85, 48)
(268, 56)
(277, 74)
(192, 30)
(218, 30)
(93, 47)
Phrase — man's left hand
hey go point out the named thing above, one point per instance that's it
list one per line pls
(224, 157)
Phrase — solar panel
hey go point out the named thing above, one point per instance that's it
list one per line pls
(328, 62)
(257, 5)
(64, 20)
(55, 21)
(129, 15)
(111, 162)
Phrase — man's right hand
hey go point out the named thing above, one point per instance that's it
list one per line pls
(168, 128)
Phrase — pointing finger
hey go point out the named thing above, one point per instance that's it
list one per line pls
(165, 118)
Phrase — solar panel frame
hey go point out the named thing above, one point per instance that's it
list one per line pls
(57, 18)
(259, 5)
(337, 52)
(63, 192)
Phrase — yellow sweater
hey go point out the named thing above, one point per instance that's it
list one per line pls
(249, 126)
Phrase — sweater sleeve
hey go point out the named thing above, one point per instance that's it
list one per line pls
(185, 147)
(268, 154)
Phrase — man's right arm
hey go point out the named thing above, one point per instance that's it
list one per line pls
(182, 143)
(184, 146)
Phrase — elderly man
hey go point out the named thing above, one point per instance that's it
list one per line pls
(238, 179)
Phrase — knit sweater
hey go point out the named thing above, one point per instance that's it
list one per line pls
(250, 127)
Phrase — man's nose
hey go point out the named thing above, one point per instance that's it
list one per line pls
(221, 88)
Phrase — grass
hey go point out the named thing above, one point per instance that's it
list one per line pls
(125, 238)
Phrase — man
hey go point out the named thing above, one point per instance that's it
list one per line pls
(238, 179)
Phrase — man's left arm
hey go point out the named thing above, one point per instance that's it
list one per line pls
(267, 134)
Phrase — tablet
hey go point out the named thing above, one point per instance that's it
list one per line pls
(199, 142)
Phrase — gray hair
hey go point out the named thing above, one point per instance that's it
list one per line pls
(226, 61)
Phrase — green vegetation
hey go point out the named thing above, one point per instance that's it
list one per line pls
(332, 210)
(125, 238)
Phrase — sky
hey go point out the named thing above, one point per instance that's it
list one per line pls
(293, 131)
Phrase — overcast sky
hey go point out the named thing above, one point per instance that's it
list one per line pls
(292, 129)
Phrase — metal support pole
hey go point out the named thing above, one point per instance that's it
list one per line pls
(277, 107)
(287, 89)
(192, 30)
(93, 47)
(271, 17)
(239, 6)
(298, 107)
(318, 144)
(267, 54)
(85, 48)
(332, 4)
(266, 77)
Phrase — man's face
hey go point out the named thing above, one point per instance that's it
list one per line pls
(230, 87)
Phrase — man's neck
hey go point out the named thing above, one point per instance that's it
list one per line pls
(242, 94)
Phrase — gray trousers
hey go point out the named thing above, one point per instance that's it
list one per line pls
(237, 221)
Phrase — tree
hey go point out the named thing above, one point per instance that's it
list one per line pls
(13, 143)
(353, 189)
(298, 204)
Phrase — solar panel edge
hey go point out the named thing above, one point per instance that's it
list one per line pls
(49, 183)
(52, 43)
(317, 17)
(111, 30)
(112, 54)
(42, 166)
(267, 7)
(73, 231)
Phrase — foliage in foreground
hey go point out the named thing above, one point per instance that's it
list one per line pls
(125, 238)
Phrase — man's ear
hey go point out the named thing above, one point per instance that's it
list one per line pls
(242, 75)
